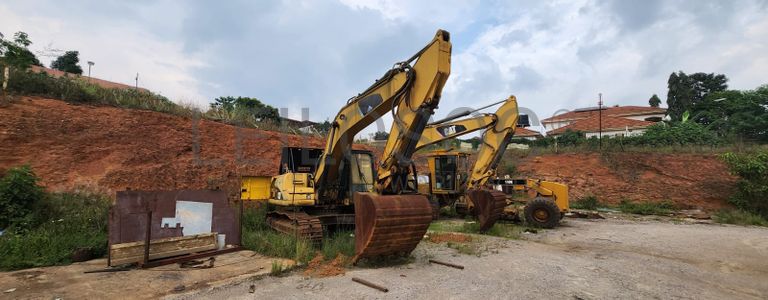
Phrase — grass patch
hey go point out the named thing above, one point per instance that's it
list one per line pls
(739, 217)
(342, 242)
(464, 248)
(63, 223)
(589, 203)
(504, 230)
(259, 237)
(647, 208)
(278, 268)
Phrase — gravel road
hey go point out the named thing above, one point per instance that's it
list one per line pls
(584, 259)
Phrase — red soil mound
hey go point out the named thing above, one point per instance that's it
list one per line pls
(688, 180)
(112, 148)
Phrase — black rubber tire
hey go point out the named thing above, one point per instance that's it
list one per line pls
(542, 212)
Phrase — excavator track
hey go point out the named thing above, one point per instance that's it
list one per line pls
(488, 206)
(389, 225)
(299, 223)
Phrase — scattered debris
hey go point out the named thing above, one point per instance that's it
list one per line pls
(109, 270)
(446, 264)
(252, 289)
(370, 284)
(9, 290)
(697, 214)
(584, 214)
(179, 288)
(449, 237)
(198, 264)
(317, 268)
(531, 230)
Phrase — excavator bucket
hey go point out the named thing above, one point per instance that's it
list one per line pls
(489, 206)
(389, 225)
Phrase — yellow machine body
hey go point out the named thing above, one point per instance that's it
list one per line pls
(255, 188)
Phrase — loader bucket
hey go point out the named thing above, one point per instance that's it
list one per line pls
(489, 206)
(389, 225)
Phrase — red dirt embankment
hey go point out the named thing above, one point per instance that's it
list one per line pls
(688, 180)
(114, 149)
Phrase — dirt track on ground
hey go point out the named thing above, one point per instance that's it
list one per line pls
(601, 259)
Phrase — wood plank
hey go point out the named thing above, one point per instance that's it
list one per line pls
(161, 248)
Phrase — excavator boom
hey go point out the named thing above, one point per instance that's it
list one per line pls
(392, 218)
(499, 128)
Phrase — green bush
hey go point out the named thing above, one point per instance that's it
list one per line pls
(739, 217)
(752, 168)
(647, 208)
(589, 202)
(67, 222)
(19, 193)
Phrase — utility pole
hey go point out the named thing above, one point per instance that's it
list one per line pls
(600, 126)
(90, 64)
(137, 81)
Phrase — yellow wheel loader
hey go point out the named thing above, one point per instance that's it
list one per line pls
(453, 182)
(319, 189)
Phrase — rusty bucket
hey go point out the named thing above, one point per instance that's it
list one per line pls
(389, 225)
(489, 206)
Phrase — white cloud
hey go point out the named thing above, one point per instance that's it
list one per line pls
(119, 49)
(551, 54)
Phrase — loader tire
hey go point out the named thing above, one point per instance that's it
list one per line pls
(542, 212)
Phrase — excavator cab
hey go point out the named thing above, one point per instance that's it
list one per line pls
(448, 174)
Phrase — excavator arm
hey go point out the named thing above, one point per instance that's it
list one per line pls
(499, 128)
(393, 219)
(411, 93)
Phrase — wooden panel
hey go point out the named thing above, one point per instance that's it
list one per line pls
(161, 248)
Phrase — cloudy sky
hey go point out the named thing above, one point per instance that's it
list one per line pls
(551, 54)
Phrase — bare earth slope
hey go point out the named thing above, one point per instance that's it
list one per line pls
(114, 149)
(688, 180)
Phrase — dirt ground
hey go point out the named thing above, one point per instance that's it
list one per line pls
(584, 259)
(69, 282)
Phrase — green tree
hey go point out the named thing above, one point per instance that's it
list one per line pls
(68, 62)
(687, 92)
(15, 52)
(654, 101)
(248, 105)
(19, 192)
(570, 138)
(324, 127)
(752, 195)
(740, 113)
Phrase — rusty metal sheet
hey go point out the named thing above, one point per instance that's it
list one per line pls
(128, 216)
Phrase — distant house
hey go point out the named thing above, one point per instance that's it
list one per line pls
(527, 134)
(616, 120)
(305, 126)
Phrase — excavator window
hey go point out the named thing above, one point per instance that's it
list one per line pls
(445, 172)
(362, 172)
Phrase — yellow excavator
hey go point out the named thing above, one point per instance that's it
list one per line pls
(452, 182)
(320, 189)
